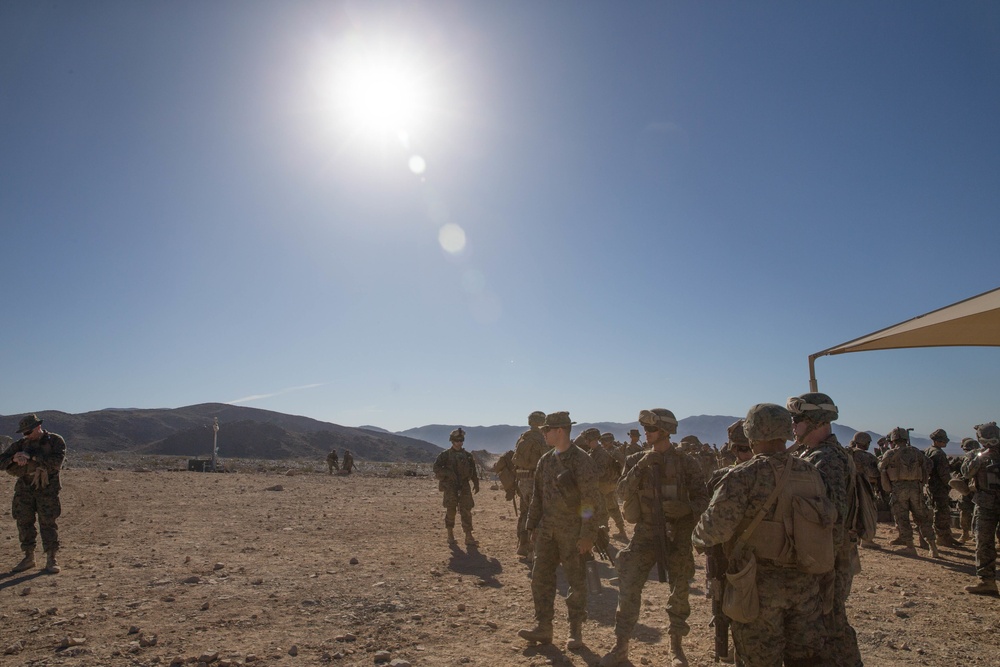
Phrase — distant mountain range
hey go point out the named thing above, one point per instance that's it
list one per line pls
(713, 429)
(246, 432)
(243, 433)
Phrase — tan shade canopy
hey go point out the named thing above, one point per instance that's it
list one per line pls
(974, 321)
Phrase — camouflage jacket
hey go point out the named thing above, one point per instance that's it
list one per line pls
(528, 449)
(607, 468)
(741, 494)
(456, 466)
(866, 463)
(940, 472)
(689, 478)
(832, 461)
(984, 470)
(566, 495)
(47, 454)
(907, 463)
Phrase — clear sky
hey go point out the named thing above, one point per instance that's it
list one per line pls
(402, 213)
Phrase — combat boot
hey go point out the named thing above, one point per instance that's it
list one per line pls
(616, 655)
(451, 535)
(984, 587)
(26, 563)
(946, 539)
(934, 550)
(869, 543)
(923, 542)
(51, 566)
(908, 550)
(965, 536)
(540, 634)
(523, 546)
(469, 539)
(898, 542)
(575, 640)
(677, 657)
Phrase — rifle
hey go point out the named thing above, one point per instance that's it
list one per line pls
(715, 570)
(660, 524)
(602, 544)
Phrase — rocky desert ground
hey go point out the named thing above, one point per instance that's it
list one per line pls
(257, 566)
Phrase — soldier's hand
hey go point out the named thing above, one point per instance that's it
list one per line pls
(20, 458)
(585, 545)
(676, 509)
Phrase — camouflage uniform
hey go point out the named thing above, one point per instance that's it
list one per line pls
(788, 627)
(563, 510)
(456, 470)
(529, 448)
(966, 506)
(909, 466)
(867, 465)
(834, 463)
(348, 462)
(939, 491)
(608, 474)
(984, 470)
(683, 482)
(36, 492)
(332, 461)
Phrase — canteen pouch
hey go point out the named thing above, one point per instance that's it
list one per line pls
(812, 526)
(740, 601)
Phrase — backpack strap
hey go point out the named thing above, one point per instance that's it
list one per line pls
(748, 531)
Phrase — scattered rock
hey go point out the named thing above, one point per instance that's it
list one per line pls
(257, 582)
(208, 658)
(72, 641)
(147, 640)
(382, 656)
(14, 648)
(276, 487)
(354, 560)
(193, 579)
(900, 613)
(461, 607)
(293, 650)
(491, 625)
(206, 606)
(218, 566)
(26, 591)
(133, 630)
(399, 662)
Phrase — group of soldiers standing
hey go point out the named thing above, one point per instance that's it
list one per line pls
(781, 526)
(921, 483)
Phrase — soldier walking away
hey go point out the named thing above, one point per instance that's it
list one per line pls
(668, 490)
(984, 473)
(332, 462)
(960, 483)
(939, 488)
(35, 460)
(867, 465)
(751, 514)
(564, 523)
(455, 470)
(904, 470)
(812, 417)
(529, 448)
(348, 462)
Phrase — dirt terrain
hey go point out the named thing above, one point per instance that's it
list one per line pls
(260, 567)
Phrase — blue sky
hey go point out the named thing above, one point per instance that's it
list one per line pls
(594, 207)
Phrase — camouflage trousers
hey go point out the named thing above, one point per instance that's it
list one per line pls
(634, 564)
(939, 502)
(29, 502)
(908, 497)
(525, 487)
(987, 521)
(840, 639)
(555, 547)
(788, 629)
(615, 512)
(458, 503)
(965, 509)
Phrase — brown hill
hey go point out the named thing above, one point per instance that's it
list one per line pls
(243, 433)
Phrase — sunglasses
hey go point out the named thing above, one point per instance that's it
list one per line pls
(797, 419)
(649, 429)
(743, 448)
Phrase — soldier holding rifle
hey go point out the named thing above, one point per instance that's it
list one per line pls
(664, 493)
(455, 469)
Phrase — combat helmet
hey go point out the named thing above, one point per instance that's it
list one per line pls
(899, 434)
(691, 442)
(813, 406)
(607, 438)
(969, 444)
(660, 418)
(536, 418)
(988, 434)
(28, 423)
(458, 435)
(736, 434)
(767, 421)
(939, 435)
(861, 439)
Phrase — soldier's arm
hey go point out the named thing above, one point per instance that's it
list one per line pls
(588, 480)
(727, 508)
(535, 508)
(698, 496)
(52, 459)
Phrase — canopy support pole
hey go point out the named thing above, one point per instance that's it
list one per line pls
(813, 386)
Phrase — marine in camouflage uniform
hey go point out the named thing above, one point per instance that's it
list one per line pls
(564, 522)
(35, 460)
(633, 446)
(455, 470)
(609, 483)
(684, 497)
(984, 471)
(332, 461)
(966, 507)
(866, 464)
(529, 448)
(788, 629)
(348, 462)
(812, 416)
(939, 488)
(904, 470)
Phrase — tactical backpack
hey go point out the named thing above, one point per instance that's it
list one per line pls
(504, 468)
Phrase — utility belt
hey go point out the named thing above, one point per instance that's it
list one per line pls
(905, 474)
(524, 474)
